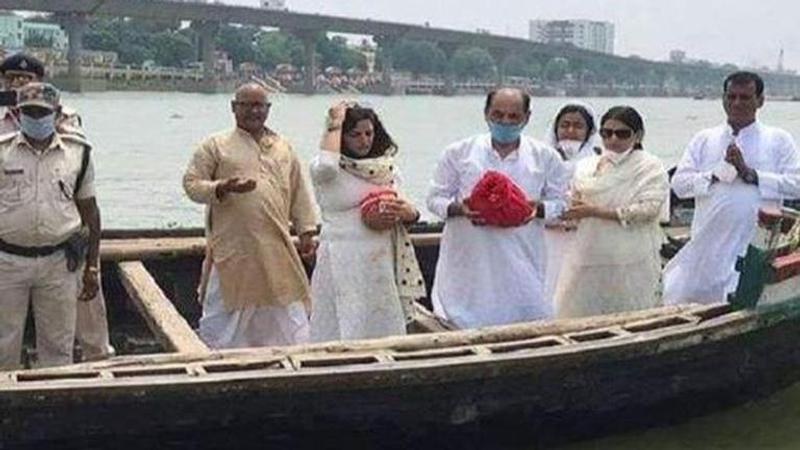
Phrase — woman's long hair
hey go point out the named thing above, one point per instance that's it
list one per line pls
(629, 117)
(381, 142)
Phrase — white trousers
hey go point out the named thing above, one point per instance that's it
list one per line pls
(52, 290)
(91, 327)
(250, 327)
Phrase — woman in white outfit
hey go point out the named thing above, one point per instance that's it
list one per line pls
(366, 274)
(613, 263)
(573, 134)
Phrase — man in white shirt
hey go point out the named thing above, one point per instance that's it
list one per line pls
(731, 171)
(489, 275)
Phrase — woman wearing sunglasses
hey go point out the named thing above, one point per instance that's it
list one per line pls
(618, 198)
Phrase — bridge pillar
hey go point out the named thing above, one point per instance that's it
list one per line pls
(387, 45)
(75, 26)
(310, 49)
(309, 39)
(207, 33)
(500, 56)
(449, 50)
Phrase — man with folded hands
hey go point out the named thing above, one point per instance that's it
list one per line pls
(731, 171)
(491, 269)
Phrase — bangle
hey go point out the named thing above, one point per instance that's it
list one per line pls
(92, 269)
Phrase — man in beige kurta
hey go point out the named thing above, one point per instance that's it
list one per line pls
(252, 182)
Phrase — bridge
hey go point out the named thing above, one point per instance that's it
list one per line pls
(207, 17)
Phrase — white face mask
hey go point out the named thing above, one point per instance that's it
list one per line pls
(570, 147)
(615, 157)
(39, 129)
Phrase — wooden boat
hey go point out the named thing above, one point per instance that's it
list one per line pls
(541, 382)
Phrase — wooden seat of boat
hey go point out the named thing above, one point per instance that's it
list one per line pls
(783, 217)
(785, 267)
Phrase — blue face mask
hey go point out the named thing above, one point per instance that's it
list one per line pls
(505, 133)
(40, 128)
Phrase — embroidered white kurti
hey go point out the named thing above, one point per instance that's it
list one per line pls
(488, 275)
(353, 289)
(725, 214)
(614, 266)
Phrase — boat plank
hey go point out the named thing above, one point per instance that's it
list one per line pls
(136, 249)
(161, 316)
(151, 248)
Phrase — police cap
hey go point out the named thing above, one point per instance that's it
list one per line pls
(21, 62)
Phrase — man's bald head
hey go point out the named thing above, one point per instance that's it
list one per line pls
(508, 94)
(251, 106)
(250, 88)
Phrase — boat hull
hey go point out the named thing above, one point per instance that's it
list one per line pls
(539, 396)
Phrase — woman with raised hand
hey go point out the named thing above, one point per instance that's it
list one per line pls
(367, 275)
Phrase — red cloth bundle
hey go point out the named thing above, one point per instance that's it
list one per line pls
(370, 204)
(499, 200)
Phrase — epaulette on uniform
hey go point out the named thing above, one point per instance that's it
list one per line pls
(70, 138)
(6, 138)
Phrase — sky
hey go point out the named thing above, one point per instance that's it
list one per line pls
(723, 31)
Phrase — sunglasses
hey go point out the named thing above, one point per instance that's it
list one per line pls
(252, 105)
(620, 133)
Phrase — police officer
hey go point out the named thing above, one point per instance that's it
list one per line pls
(92, 327)
(46, 193)
(18, 70)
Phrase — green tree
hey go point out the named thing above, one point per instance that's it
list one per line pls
(173, 49)
(275, 47)
(133, 40)
(556, 69)
(238, 42)
(335, 52)
(473, 62)
(523, 66)
(419, 57)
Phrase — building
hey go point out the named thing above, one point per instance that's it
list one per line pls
(40, 34)
(274, 4)
(586, 34)
(12, 36)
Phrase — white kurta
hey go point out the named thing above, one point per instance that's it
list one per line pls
(614, 266)
(353, 290)
(489, 275)
(557, 239)
(725, 214)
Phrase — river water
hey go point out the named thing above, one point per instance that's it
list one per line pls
(144, 140)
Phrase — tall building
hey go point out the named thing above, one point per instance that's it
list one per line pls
(586, 34)
(12, 35)
(45, 34)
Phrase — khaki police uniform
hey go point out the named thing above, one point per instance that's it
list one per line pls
(92, 323)
(38, 214)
